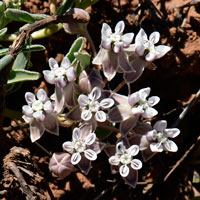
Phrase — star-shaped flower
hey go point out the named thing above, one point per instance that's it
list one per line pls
(112, 50)
(39, 114)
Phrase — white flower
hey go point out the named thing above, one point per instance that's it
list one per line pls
(80, 146)
(147, 48)
(39, 114)
(63, 77)
(140, 105)
(158, 137)
(91, 107)
(112, 54)
(60, 75)
(124, 158)
(115, 41)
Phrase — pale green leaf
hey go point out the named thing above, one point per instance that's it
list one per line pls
(22, 75)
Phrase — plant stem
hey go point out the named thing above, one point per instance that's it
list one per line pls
(87, 35)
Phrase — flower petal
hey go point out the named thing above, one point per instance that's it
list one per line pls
(124, 62)
(90, 154)
(154, 37)
(99, 57)
(127, 39)
(42, 95)
(110, 65)
(119, 113)
(76, 157)
(144, 93)
(136, 164)
(95, 93)
(27, 110)
(84, 165)
(172, 132)
(86, 115)
(39, 115)
(106, 43)
(128, 124)
(141, 37)
(169, 145)
(124, 170)
(60, 82)
(83, 100)
(49, 76)
(118, 47)
(160, 125)
(156, 147)
(30, 98)
(36, 131)
(149, 113)
(51, 124)
(114, 160)
(139, 50)
(152, 101)
(120, 148)
(68, 146)
(133, 98)
(48, 107)
(151, 135)
(53, 63)
(65, 63)
(132, 178)
(59, 100)
(89, 139)
(119, 28)
(106, 30)
(161, 50)
(68, 92)
(133, 150)
(75, 114)
(77, 134)
(107, 103)
(151, 56)
(71, 74)
(100, 116)
(119, 99)
(110, 150)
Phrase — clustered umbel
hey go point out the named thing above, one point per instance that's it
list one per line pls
(89, 107)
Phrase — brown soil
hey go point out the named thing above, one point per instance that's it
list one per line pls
(175, 81)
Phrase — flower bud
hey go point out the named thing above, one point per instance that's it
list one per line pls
(60, 165)
(89, 79)
(77, 28)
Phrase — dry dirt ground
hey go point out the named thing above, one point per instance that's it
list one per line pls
(176, 80)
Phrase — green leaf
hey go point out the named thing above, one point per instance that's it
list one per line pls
(3, 51)
(23, 16)
(84, 3)
(66, 5)
(20, 61)
(3, 32)
(102, 133)
(12, 114)
(6, 60)
(33, 47)
(83, 58)
(77, 46)
(196, 177)
(22, 75)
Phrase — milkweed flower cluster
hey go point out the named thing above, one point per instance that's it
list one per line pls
(87, 106)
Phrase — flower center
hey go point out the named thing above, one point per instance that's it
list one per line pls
(79, 145)
(115, 37)
(161, 137)
(94, 106)
(125, 159)
(37, 105)
(60, 71)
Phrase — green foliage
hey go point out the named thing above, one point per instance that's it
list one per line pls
(84, 3)
(19, 75)
(3, 32)
(76, 47)
(66, 5)
(23, 16)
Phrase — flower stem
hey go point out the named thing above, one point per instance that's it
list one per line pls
(119, 86)
(87, 35)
